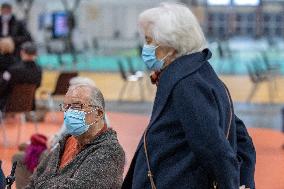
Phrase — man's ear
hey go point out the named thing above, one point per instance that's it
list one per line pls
(99, 114)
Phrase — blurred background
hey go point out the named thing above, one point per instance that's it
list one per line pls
(99, 39)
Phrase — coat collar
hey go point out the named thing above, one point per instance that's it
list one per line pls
(176, 71)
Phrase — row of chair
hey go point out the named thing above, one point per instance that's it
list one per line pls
(262, 70)
(21, 98)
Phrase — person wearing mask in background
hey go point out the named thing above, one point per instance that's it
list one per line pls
(193, 140)
(90, 156)
(12, 28)
(27, 71)
(62, 132)
(7, 58)
(28, 158)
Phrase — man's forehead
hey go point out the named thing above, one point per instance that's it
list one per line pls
(79, 94)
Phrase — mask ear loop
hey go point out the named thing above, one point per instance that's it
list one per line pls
(92, 122)
(169, 54)
(151, 46)
(166, 56)
(89, 125)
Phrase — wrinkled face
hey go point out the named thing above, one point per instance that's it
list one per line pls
(79, 98)
(161, 51)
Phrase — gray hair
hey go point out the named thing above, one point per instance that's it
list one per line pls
(81, 80)
(96, 96)
(173, 25)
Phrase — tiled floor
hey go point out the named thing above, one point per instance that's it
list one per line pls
(259, 114)
(270, 156)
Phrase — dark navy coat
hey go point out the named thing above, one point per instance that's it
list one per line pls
(186, 139)
(2, 178)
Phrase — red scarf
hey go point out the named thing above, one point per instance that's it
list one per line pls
(155, 77)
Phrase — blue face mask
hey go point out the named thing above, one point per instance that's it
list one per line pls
(150, 59)
(75, 122)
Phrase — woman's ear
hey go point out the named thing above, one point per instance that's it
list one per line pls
(173, 52)
(171, 55)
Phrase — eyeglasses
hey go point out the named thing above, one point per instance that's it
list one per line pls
(76, 106)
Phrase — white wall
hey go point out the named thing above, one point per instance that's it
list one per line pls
(95, 18)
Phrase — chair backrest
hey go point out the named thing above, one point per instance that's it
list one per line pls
(267, 62)
(62, 83)
(21, 98)
(122, 71)
(256, 72)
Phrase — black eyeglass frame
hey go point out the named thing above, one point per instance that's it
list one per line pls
(76, 106)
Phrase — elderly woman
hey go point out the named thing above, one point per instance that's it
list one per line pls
(90, 156)
(193, 140)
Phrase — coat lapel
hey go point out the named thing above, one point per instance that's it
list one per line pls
(176, 71)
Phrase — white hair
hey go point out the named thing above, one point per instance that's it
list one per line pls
(81, 80)
(173, 25)
(95, 95)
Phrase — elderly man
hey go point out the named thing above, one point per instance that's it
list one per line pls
(90, 156)
(62, 132)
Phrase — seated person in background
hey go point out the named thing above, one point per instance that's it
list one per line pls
(7, 58)
(74, 81)
(90, 156)
(2, 178)
(28, 158)
(27, 71)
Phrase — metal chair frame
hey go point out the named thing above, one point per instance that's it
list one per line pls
(19, 102)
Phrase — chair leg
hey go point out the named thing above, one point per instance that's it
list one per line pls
(141, 89)
(5, 141)
(254, 88)
(122, 91)
(271, 91)
(22, 122)
(34, 120)
(131, 88)
(275, 87)
(51, 108)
